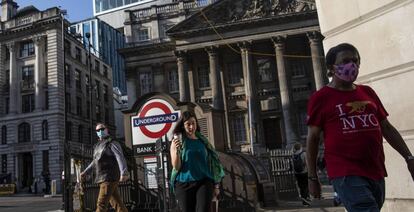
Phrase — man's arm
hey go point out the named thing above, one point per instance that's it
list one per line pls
(312, 147)
(88, 169)
(394, 138)
(119, 155)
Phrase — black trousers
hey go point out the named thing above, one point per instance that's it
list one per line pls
(194, 196)
(303, 185)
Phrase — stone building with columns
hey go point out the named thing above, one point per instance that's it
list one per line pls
(45, 81)
(254, 62)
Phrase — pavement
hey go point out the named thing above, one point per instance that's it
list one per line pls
(32, 203)
(325, 204)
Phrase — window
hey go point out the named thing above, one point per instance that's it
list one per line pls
(143, 34)
(45, 160)
(106, 115)
(301, 118)
(45, 130)
(7, 53)
(239, 128)
(80, 133)
(67, 47)
(28, 75)
(87, 82)
(98, 112)
(24, 132)
(79, 106)
(97, 89)
(105, 93)
(7, 80)
(97, 66)
(235, 72)
(67, 75)
(173, 85)
(46, 100)
(4, 163)
(27, 49)
(163, 30)
(28, 103)
(7, 102)
(78, 80)
(298, 68)
(68, 103)
(46, 73)
(264, 69)
(203, 76)
(88, 109)
(68, 131)
(3, 135)
(78, 54)
(105, 71)
(145, 80)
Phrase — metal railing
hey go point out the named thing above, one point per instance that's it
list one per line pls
(282, 172)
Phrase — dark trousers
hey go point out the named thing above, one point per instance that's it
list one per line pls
(303, 184)
(194, 196)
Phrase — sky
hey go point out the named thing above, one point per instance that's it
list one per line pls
(77, 9)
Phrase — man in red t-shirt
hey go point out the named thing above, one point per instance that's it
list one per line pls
(353, 121)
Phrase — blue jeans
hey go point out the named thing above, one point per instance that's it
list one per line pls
(360, 194)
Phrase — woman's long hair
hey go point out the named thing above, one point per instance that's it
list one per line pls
(185, 116)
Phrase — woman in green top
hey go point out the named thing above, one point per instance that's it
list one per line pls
(197, 171)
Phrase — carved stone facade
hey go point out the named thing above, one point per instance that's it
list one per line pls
(39, 68)
(256, 62)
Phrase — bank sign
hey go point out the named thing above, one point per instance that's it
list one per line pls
(155, 119)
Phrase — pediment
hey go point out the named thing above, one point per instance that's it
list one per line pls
(230, 12)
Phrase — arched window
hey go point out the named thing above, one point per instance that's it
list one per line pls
(45, 130)
(3, 135)
(24, 132)
(80, 133)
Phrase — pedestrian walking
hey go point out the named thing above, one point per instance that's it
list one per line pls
(354, 122)
(197, 171)
(301, 172)
(110, 169)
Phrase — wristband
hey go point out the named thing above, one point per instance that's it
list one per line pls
(313, 178)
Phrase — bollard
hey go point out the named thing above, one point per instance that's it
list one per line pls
(53, 189)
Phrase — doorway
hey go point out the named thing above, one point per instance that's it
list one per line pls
(273, 133)
(25, 169)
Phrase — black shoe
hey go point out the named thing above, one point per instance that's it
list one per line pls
(306, 202)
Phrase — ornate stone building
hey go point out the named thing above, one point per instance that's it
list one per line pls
(254, 62)
(38, 71)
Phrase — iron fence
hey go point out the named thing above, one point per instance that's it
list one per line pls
(282, 172)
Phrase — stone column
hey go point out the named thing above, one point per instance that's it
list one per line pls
(39, 73)
(317, 58)
(14, 81)
(285, 96)
(182, 75)
(250, 91)
(215, 80)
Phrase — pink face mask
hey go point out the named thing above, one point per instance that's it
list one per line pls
(347, 72)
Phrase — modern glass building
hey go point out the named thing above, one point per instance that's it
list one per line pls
(104, 6)
(105, 42)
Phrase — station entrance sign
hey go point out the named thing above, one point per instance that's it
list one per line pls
(155, 119)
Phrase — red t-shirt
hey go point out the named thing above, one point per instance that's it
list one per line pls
(350, 121)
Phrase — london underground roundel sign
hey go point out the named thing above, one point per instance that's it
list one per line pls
(156, 118)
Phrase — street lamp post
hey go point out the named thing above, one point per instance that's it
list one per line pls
(66, 145)
(88, 36)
